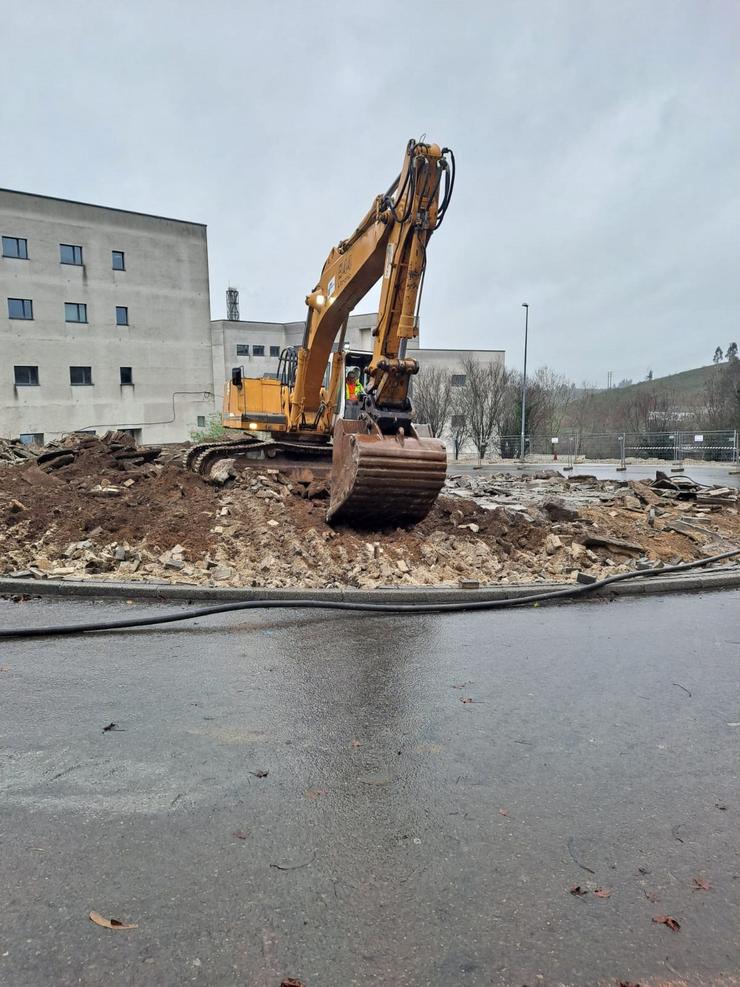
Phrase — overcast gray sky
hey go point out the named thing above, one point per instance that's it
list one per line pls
(598, 151)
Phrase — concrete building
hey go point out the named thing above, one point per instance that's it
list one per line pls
(256, 346)
(104, 321)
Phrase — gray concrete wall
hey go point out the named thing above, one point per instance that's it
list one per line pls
(167, 342)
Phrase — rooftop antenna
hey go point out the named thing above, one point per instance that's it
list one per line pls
(232, 304)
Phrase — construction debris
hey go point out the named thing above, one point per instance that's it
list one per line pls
(107, 509)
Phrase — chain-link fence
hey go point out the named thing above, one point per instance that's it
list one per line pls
(674, 447)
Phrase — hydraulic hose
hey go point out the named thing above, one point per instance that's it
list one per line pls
(464, 606)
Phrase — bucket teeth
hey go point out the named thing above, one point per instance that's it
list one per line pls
(382, 480)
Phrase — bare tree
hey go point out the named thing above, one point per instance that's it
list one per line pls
(722, 397)
(549, 397)
(459, 424)
(432, 397)
(482, 397)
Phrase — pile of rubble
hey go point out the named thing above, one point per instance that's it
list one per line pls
(13, 452)
(107, 509)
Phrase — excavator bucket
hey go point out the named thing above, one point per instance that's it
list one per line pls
(382, 480)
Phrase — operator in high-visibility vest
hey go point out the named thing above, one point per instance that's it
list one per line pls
(353, 389)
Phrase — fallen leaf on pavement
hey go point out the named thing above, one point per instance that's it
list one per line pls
(315, 793)
(667, 920)
(602, 893)
(356, 743)
(291, 982)
(239, 834)
(701, 885)
(259, 773)
(628, 983)
(577, 890)
(503, 812)
(651, 896)
(110, 923)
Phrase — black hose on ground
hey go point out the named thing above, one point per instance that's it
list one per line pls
(464, 606)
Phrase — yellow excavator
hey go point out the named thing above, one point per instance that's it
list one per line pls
(383, 471)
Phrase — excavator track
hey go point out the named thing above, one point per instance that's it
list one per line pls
(380, 480)
(202, 457)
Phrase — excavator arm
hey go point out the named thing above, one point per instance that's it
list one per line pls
(383, 471)
(389, 244)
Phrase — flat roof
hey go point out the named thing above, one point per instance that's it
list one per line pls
(95, 205)
(458, 349)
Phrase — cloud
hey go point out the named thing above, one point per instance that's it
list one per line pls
(597, 147)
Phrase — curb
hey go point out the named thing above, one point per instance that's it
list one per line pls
(164, 592)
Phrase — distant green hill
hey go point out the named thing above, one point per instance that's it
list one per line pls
(687, 384)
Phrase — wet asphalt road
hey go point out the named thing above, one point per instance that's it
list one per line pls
(725, 476)
(402, 836)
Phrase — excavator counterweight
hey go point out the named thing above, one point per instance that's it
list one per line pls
(383, 471)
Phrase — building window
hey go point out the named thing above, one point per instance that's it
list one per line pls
(258, 351)
(201, 421)
(121, 315)
(26, 376)
(274, 351)
(15, 246)
(457, 421)
(135, 433)
(80, 375)
(75, 312)
(242, 349)
(458, 380)
(69, 254)
(119, 260)
(32, 438)
(20, 308)
(127, 375)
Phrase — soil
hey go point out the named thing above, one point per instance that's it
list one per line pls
(101, 516)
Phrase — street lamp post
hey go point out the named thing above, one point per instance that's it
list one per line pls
(525, 306)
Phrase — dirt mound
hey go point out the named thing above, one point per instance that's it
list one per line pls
(107, 509)
(109, 489)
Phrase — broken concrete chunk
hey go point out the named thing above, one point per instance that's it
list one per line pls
(222, 471)
(552, 544)
(221, 572)
(100, 491)
(558, 510)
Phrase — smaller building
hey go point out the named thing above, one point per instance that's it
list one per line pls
(256, 347)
